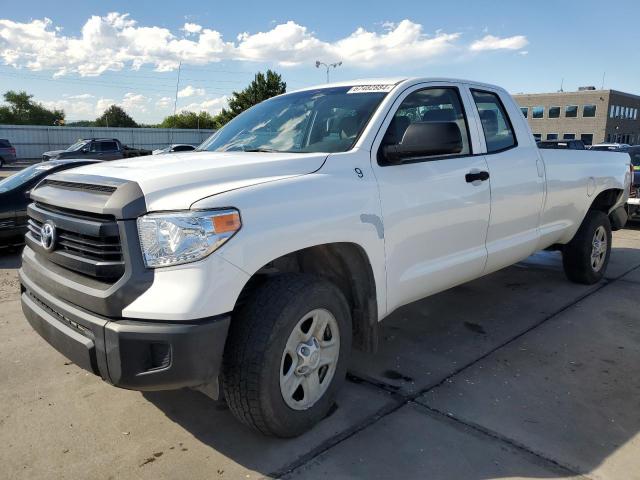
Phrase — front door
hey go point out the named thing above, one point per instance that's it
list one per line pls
(435, 215)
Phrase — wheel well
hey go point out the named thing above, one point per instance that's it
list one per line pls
(605, 200)
(344, 264)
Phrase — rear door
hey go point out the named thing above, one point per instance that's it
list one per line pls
(435, 216)
(517, 178)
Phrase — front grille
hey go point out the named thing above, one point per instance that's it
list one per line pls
(85, 243)
(106, 189)
(7, 223)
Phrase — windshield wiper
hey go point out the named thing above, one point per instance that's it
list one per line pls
(266, 150)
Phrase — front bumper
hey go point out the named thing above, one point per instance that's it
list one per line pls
(132, 354)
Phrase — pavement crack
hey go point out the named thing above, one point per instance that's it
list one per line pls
(501, 438)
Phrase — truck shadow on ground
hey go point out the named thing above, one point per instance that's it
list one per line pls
(423, 345)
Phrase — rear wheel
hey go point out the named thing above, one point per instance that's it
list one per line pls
(286, 354)
(586, 257)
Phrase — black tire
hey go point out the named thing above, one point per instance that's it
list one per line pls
(576, 255)
(254, 352)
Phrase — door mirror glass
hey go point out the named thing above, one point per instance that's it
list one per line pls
(425, 139)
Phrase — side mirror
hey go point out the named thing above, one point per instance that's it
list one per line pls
(422, 139)
(84, 150)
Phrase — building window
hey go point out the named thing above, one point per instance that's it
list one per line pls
(537, 137)
(587, 138)
(569, 136)
(589, 111)
(538, 112)
(571, 111)
(635, 113)
(554, 112)
(617, 113)
(552, 136)
(525, 111)
(612, 111)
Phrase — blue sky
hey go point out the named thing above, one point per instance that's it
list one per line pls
(89, 54)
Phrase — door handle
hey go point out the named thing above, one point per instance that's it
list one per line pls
(475, 176)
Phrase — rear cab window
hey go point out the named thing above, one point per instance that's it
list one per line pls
(496, 125)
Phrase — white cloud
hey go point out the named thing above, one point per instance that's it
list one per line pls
(212, 105)
(164, 103)
(81, 96)
(523, 52)
(134, 102)
(115, 41)
(190, 91)
(73, 109)
(192, 28)
(490, 42)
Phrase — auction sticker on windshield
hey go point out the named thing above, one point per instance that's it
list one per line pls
(371, 88)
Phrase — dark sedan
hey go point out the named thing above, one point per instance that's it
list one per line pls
(14, 197)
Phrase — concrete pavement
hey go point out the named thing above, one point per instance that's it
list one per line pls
(517, 375)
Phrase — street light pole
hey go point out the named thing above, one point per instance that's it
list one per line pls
(328, 66)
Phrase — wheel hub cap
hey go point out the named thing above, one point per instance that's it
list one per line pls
(309, 359)
(599, 249)
(308, 356)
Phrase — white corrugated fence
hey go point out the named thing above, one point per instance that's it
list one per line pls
(31, 141)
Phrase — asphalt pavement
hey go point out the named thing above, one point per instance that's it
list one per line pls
(519, 374)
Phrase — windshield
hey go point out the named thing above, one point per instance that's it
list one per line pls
(76, 146)
(23, 176)
(322, 120)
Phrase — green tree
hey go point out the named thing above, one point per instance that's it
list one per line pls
(21, 109)
(262, 87)
(187, 119)
(115, 116)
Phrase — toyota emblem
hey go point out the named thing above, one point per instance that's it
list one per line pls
(48, 236)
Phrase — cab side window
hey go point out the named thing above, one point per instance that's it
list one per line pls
(107, 147)
(430, 105)
(498, 132)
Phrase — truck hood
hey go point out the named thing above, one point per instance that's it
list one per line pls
(176, 181)
(53, 153)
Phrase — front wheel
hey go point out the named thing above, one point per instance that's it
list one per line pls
(586, 257)
(287, 354)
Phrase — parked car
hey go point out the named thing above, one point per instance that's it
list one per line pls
(633, 204)
(7, 152)
(258, 264)
(176, 147)
(96, 148)
(610, 147)
(562, 144)
(14, 197)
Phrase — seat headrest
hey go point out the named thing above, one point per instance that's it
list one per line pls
(489, 120)
(348, 127)
(396, 130)
(439, 115)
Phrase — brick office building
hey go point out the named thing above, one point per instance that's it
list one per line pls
(595, 116)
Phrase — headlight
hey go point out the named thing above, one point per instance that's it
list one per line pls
(181, 237)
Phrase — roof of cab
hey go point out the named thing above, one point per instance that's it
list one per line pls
(393, 81)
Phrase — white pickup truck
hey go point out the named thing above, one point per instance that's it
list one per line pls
(251, 268)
